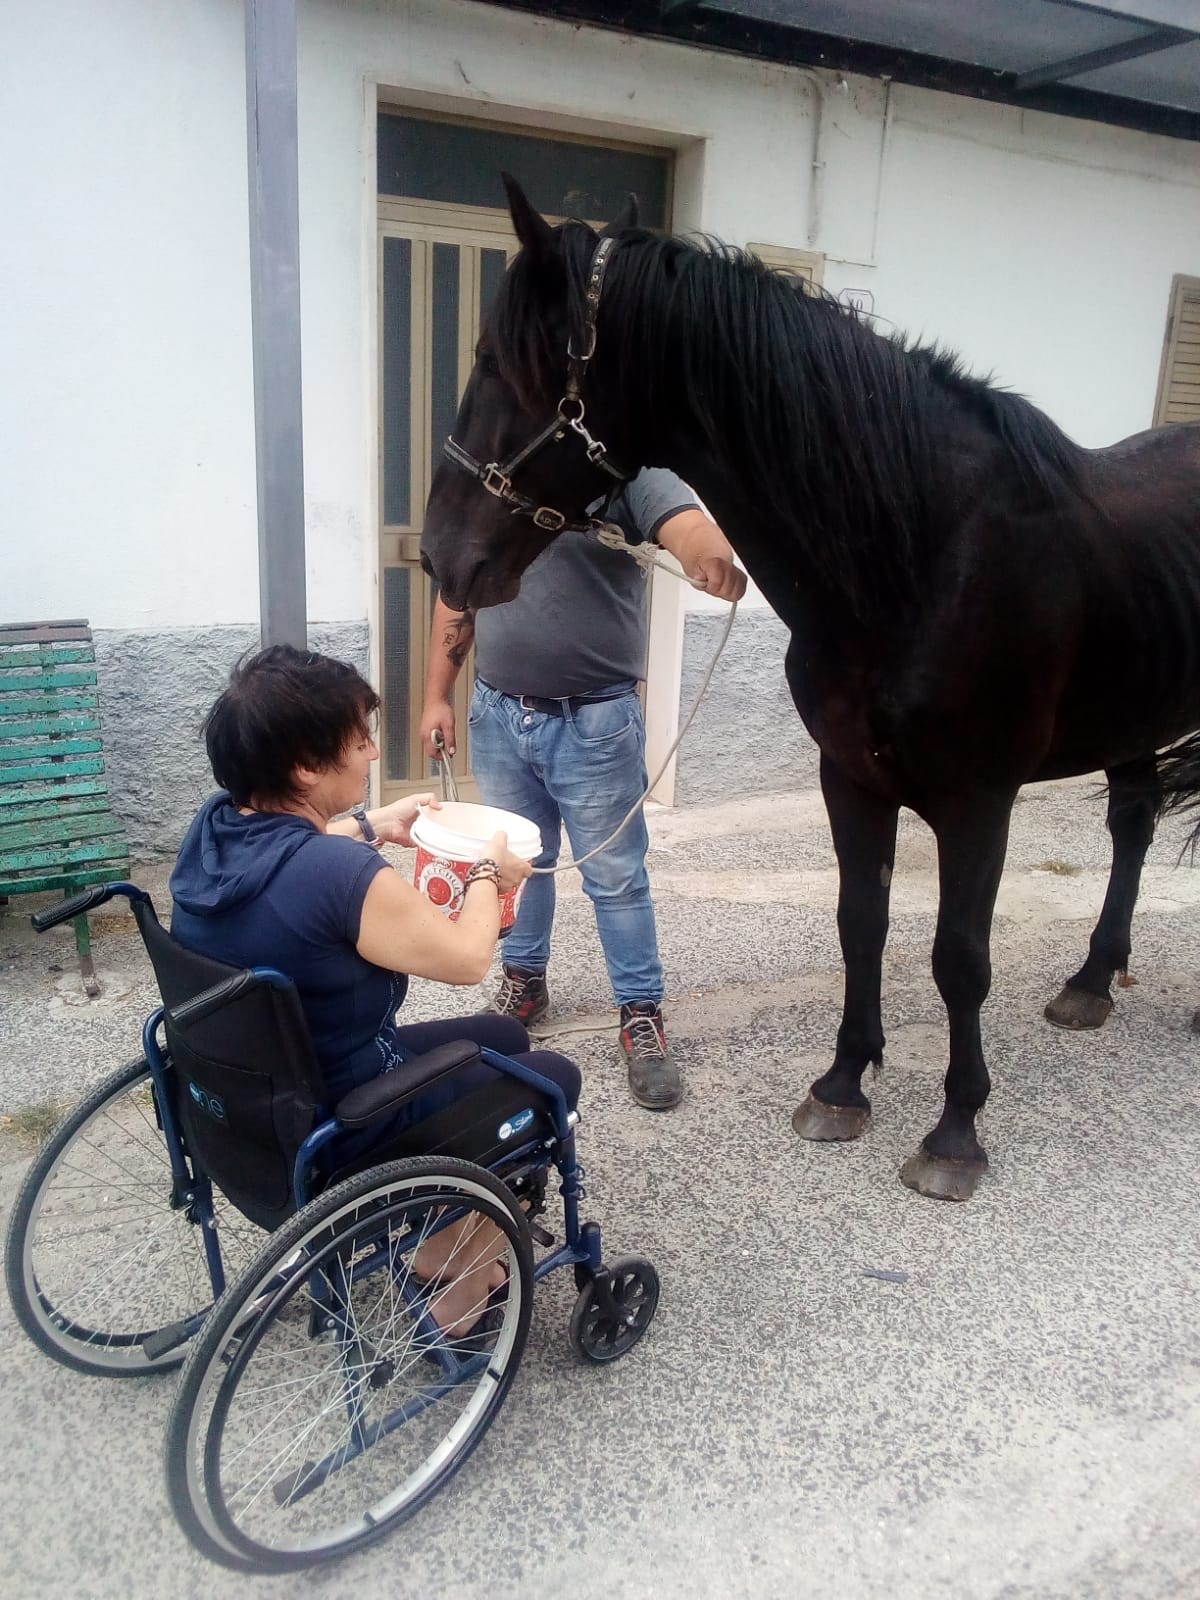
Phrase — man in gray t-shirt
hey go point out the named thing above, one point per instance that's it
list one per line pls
(557, 736)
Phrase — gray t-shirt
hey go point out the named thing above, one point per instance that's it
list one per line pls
(579, 622)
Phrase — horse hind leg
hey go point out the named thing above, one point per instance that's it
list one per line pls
(864, 838)
(1085, 1000)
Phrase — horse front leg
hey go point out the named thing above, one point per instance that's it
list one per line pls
(1133, 796)
(864, 839)
(971, 843)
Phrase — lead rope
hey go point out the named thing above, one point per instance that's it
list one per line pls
(644, 555)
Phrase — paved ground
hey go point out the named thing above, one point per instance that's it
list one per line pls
(1018, 1420)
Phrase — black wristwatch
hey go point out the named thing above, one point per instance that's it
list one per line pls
(368, 832)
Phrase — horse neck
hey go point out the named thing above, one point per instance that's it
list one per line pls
(817, 486)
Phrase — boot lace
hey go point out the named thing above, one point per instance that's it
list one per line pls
(645, 1036)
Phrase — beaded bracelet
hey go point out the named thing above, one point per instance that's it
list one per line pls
(485, 869)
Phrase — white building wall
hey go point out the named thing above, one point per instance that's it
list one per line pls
(1042, 248)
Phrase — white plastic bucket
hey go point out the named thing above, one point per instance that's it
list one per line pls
(450, 839)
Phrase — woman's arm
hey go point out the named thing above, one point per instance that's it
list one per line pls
(402, 930)
(392, 823)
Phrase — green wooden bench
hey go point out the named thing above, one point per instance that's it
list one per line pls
(57, 830)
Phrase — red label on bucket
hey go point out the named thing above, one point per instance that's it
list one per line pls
(442, 880)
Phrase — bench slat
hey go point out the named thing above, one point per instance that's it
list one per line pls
(26, 727)
(42, 632)
(27, 860)
(69, 828)
(32, 704)
(46, 771)
(52, 794)
(31, 749)
(46, 655)
(66, 880)
(51, 677)
(81, 805)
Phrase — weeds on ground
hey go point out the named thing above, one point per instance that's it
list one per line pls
(34, 1124)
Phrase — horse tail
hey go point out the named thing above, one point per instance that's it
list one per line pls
(1179, 782)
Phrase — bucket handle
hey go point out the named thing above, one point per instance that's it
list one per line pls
(449, 786)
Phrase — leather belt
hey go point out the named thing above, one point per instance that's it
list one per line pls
(555, 708)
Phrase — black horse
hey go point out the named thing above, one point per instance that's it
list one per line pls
(975, 602)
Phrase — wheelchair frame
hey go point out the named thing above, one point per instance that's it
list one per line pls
(614, 1308)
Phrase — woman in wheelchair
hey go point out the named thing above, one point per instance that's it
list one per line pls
(272, 872)
(327, 1219)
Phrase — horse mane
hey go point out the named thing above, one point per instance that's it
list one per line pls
(843, 431)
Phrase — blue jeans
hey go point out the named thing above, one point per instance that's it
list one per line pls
(583, 770)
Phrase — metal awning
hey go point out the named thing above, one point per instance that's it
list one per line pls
(1134, 63)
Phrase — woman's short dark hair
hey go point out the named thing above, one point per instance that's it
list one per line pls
(284, 708)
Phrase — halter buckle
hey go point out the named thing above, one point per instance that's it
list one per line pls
(586, 355)
(548, 519)
(495, 481)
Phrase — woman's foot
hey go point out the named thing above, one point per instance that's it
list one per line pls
(457, 1306)
(461, 1265)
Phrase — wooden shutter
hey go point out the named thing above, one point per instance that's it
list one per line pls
(1179, 380)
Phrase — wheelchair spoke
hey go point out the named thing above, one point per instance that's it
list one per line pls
(98, 1258)
(340, 1404)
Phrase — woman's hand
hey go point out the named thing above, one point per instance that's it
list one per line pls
(512, 869)
(394, 823)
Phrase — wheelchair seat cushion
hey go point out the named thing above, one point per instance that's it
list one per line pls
(475, 1113)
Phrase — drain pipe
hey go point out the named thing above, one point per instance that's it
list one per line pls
(816, 173)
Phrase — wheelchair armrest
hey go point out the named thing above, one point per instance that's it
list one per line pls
(390, 1090)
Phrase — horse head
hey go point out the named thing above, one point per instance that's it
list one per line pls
(534, 443)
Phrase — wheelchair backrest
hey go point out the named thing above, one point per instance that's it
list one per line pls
(246, 1083)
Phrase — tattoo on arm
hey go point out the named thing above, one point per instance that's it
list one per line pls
(460, 631)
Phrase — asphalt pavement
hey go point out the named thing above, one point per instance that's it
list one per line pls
(849, 1390)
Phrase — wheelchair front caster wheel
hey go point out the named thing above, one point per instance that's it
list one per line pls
(614, 1310)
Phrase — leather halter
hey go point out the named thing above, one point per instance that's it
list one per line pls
(496, 476)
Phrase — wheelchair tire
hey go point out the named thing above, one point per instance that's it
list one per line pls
(317, 1409)
(96, 1260)
(595, 1332)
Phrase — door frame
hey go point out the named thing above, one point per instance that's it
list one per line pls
(668, 595)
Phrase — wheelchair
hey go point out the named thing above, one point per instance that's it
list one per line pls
(195, 1211)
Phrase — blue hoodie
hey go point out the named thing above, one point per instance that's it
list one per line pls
(272, 890)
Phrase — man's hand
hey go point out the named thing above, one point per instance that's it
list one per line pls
(704, 553)
(718, 576)
(437, 716)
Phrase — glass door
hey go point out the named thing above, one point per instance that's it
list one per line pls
(435, 284)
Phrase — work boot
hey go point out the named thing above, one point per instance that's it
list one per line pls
(653, 1076)
(522, 994)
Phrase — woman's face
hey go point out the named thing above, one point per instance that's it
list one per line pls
(344, 785)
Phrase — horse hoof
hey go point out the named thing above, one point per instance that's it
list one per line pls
(939, 1179)
(816, 1120)
(1077, 1009)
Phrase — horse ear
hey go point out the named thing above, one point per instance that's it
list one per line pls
(531, 228)
(627, 217)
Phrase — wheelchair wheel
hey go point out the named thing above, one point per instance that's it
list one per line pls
(97, 1261)
(603, 1328)
(322, 1404)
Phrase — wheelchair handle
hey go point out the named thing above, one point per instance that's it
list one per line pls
(85, 900)
(221, 994)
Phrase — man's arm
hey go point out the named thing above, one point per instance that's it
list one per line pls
(703, 552)
(449, 645)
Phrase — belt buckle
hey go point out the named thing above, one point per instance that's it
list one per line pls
(523, 702)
